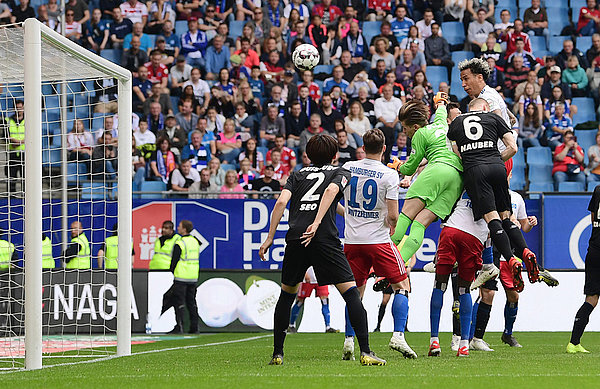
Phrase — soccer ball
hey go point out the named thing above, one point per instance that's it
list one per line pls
(306, 57)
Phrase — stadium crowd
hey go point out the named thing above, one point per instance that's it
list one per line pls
(219, 106)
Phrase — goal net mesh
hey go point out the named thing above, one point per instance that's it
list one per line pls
(79, 170)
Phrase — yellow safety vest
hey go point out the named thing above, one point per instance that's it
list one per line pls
(47, 259)
(111, 252)
(6, 252)
(162, 254)
(189, 263)
(17, 131)
(83, 259)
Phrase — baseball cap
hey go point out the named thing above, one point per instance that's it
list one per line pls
(235, 59)
(192, 19)
(160, 38)
(555, 69)
(170, 116)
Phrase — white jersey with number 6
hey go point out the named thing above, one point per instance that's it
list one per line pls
(371, 184)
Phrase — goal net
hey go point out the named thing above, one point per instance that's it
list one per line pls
(65, 201)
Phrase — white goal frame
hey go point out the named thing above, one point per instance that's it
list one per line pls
(34, 33)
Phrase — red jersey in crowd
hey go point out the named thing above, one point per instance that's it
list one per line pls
(287, 155)
(511, 42)
(584, 21)
(313, 91)
(280, 172)
(377, 5)
(157, 75)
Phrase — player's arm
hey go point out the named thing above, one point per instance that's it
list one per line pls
(340, 210)
(328, 198)
(276, 216)
(392, 216)
(511, 146)
(413, 162)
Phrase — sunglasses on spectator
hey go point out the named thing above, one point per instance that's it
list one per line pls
(257, 12)
(210, 10)
(70, 14)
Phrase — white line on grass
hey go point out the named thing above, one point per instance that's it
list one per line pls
(148, 352)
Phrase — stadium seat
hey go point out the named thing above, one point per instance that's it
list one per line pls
(458, 56)
(227, 166)
(435, 75)
(519, 158)
(517, 181)
(454, 33)
(584, 43)
(555, 45)
(97, 123)
(51, 158)
(93, 191)
(457, 90)
(571, 187)
(181, 27)
(326, 69)
(576, 5)
(540, 173)
(73, 87)
(538, 43)
(371, 28)
(591, 185)
(235, 28)
(586, 138)
(539, 156)
(152, 186)
(47, 89)
(513, 12)
(112, 55)
(557, 22)
(76, 172)
(506, 3)
(264, 151)
(174, 101)
(541, 187)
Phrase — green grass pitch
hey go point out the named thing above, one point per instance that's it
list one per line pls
(314, 361)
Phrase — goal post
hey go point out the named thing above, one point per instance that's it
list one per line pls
(40, 67)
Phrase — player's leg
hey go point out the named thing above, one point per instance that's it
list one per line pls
(322, 293)
(483, 316)
(455, 311)
(417, 233)
(489, 271)
(387, 293)
(510, 316)
(410, 209)
(298, 304)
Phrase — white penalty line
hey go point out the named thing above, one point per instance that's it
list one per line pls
(146, 352)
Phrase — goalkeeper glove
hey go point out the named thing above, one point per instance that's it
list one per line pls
(395, 164)
(440, 96)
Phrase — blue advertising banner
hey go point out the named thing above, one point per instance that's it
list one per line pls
(567, 229)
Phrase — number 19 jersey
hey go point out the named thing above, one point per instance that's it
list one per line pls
(371, 184)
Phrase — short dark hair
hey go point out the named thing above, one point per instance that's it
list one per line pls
(154, 52)
(244, 39)
(279, 135)
(168, 224)
(255, 67)
(413, 112)
(321, 149)
(373, 141)
(451, 105)
(188, 225)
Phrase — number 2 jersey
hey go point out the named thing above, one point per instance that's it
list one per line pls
(307, 186)
(476, 134)
(371, 184)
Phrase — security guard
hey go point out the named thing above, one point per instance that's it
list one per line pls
(109, 253)
(185, 266)
(16, 145)
(47, 259)
(163, 247)
(77, 255)
(8, 254)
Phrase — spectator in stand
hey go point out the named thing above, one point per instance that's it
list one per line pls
(426, 24)
(530, 97)
(437, 49)
(356, 44)
(177, 137)
(530, 127)
(217, 174)
(528, 58)
(251, 55)
(246, 174)
(307, 104)
(406, 70)
(378, 10)
(532, 79)
(260, 24)
(141, 88)
(305, 161)
(557, 128)
(419, 93)
(393, 44)
(222, 101)
(331, 49)
(328, 113)
(138, 164)
(172, 43)
(359, 81)
(186, 118)
(229, 143)
(473, 7)
(349, 67)
(328, 12)
(42, 12)
(514, 75)
(346, 152)
(336, 79)
(568, 51)
(594, 51)
(479, 29)
(276, 100)
(288, 156)
(444, 87)
(157, 71)
(297, 36)
(504, 24)
(79, 8)
(314, 128)
(317, 32)
(266, 184)
(208, 137)
(270, 70)
(119, 29)
(295, 122)
(244, 124)
(413, 36)
(381, 54)
(182, 178)
(163, 161)
(536, 21)
(156, 120)
(144, 136)
(193, 44)
(22, 12)
(575, 76)
(313, 87)
(367, 104)
(298, 6)
(589, 19)
(558, 98)
(97, 32)
(496, 78)
(420, 79)
(108, 126)
(357, 124)
(201, 89)
(271, 125)
(251, 102)
(156, 96)
(180, 73)
(214, 120)
(281, 172)
(187, 8)
(251, 153)
(593, 167)
(248, 33)
(386, 112)
(6, 16)
(217, 58)
(401, 23)
(231, 185)
(159, 11)
(491, 48)
(510, 37)
(72, 28)
(418, 56)
(568, 161)
(401, 149)
(353, 9)
(203, 186)
(454, 10)
(135, 11)
(138, 31)
(256, 83)
(378, 73)
(555, 80)
(80, 143)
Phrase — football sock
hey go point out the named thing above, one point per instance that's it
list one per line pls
(581, 319)
(510, 315)
(465, 311)
(500, 238)
(414, 241)
(381, 314)
(295, 311)
(483, 316)
(400, 310)
(401, 228)
(358, 318)
(474, 318)
(488, 255)
(348, 329)
(515, 235)
(325, 312)
(281, 320)
(435, 308)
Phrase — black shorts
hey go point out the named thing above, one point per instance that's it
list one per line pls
(487, 188)
(326, 257)
(592, 272)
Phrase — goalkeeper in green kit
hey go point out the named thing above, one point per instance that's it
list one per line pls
(440, 184)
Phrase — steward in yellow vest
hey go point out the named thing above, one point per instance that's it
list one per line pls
(77, 255)
(47, 258)
(16, 145)
(163, 247)
(8, 255)
(109, 253)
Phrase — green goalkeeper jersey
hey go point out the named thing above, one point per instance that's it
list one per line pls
(431, 142)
